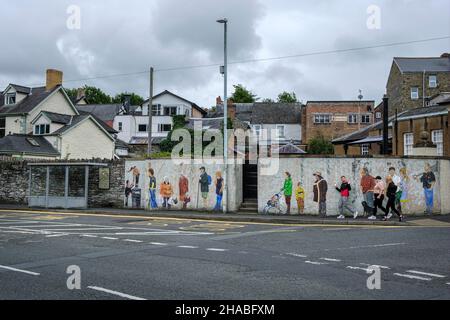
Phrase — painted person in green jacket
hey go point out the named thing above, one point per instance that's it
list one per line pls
(287, 190)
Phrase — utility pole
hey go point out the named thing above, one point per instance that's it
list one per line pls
(150, 115)
(385, 125)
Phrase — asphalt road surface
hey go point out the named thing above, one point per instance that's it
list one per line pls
(122, 257)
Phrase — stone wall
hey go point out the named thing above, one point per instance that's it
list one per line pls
(332, 169)
(13, 181)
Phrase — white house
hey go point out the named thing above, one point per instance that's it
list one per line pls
(42, 122)
(132, 124)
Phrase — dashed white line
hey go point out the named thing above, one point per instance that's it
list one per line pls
(330, 259)
(110, 238)
(358, 268)
(116, 293)
(216, 249)
(374, 265)
(297, 255)
(19, 270)
(57, 235)
(131, 240)
(426, 274)
(315, 262)
(409, 276)
(88, 236)
(188, 247)
(158, 244)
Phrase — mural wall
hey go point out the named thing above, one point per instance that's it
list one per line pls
(163, 184)
(334, 186)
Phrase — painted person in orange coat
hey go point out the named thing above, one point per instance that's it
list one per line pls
(166, 191)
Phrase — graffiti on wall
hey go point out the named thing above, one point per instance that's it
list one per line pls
(166, 185)
(361, 187)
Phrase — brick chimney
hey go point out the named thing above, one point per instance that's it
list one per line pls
(54, 78)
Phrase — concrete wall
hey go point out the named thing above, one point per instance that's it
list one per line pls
(172, 171)
(332, 169)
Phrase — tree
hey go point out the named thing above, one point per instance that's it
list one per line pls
(92, 94)
(286, 97)
(135, 100)
(320, 145)
(243, 95)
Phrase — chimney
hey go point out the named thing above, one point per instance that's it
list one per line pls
(54, 78)
(219, 101)
(231, 110)
(81, 92)
(445, 55)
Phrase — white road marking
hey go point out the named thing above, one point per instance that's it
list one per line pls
(188, 247)
(19, 270)
(375, 265)
(358, 268)
(116, 293)
(426, 274)
(315, 262)
(330, 259)
(217, 249)
(412, 277)
(337, 229)
(57, 235)
(131, 240)
(110, 238)
(297, 255)
(158, 244)
(448, 283)
(88, 236)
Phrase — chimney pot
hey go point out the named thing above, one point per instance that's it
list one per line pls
(54, 78)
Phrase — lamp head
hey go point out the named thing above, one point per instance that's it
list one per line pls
(224, 20)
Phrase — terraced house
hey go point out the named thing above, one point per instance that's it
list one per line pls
(42, 122)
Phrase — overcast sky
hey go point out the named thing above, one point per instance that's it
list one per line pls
(117, 37)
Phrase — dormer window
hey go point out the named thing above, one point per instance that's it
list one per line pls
(40, 129)
(10, 98)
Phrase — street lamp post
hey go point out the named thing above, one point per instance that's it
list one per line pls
(224, 21)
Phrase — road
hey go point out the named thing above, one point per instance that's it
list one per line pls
(123, 257)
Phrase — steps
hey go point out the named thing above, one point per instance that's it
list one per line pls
(249, 206)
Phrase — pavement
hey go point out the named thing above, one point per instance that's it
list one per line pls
(415, 220)
(132, 257)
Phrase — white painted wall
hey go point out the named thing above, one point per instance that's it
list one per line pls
(291, 131)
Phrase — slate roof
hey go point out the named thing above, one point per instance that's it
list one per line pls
(105, 112)
(100, 121)
(290, 149)
(432, 64)
(57, 117)
(21, 89)
(423, 112)
(18, 143)
(38, 95)
(121, 144)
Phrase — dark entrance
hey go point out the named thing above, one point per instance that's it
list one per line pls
(250, 188)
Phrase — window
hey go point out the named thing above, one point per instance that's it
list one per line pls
(10, 98)
(164, 127)
(365, 149)
(432, 81)
(41, 129)
(170, 111)
(352, 118)
(156, 110)
(414, 93)
(120, 126)
(280, 131)
(257, 130)
(437, 136)
(378, 115)
(322, 118)
(408, 142)
(2, 127)
(365, 118)
(33, 142)
(142, 128)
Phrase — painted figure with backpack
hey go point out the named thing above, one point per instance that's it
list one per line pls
(391, 193)
(344, 202)
(205, 181)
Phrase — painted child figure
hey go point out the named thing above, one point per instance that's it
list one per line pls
(300, 197)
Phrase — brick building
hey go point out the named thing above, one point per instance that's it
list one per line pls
(333, 119)
(413, 82)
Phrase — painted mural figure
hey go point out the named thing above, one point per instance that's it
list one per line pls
(300, 197)
(219, 191)
(205, 182)
(397, 181)
(136, 174)
(428, 180)
(152, 189)
(344, 202)
(391, 193)
(404, 184)
(128, 191)
(166, 192)
(320, 189)
(379, 191)
(287, 190)
(367, 185)
(183, 187)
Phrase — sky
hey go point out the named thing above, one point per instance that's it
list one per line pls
(89, 39)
